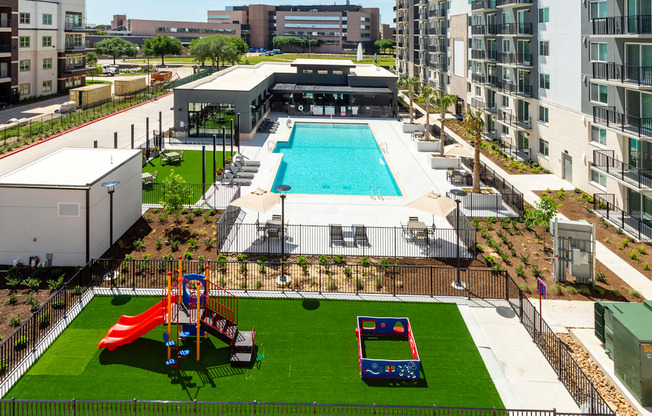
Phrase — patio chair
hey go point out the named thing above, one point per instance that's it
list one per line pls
(274, 233)
(164, 159)
(422, 236)
(181, 155)
(336, 234)
(360, 234)
(414, 219)
(276, 217)
(154, 176)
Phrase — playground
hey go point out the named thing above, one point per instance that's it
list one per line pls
(306, 350)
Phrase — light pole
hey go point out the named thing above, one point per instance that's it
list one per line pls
(110, 187)
(458, 193)
(283, 190)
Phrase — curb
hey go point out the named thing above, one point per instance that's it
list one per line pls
(81, 126)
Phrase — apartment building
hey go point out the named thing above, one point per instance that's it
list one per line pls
(387, 32)
(567, 84)
(8, 51)
(338, 27)
(51, 46)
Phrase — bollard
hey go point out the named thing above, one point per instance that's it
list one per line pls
(115, 139)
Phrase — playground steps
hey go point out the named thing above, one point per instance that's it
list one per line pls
(242, 351)
(218, 326)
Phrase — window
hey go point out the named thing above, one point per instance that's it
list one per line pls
(47, 86)
(47, 19)
(24, 18)
(544, 48)
(598, 135)
(598, 9)
(599, 51)
(468, 87)
(24, 65)
(47, 41)
(23, 89)
(543, 114)
(505, 129)
(544, 81)
(543, 147)
(307, 71)
(505, 101)
(478, 91)
(599, 93)
(544, 15)
(47, 63)
(507, 74)
(598, 178)
(24, 42)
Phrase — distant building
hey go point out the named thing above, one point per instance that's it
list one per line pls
(387, 32)
(8, 51)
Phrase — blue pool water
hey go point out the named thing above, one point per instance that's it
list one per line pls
(334, 159)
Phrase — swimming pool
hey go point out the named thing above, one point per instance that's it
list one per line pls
(334, 159)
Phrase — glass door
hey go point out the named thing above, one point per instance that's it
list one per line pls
(523, 17)
(523, 82)
(523, 50)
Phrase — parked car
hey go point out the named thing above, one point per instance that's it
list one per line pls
(265, 54)
(110, 70)
(67, 107)
(277, 52)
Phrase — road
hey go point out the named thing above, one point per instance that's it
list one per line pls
(102, 131)
(34, 109)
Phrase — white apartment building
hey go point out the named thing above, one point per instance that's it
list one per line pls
(564, 83)
(51, 46)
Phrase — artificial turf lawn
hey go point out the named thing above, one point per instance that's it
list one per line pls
(387, 348)
(308, 352)
(189, 167)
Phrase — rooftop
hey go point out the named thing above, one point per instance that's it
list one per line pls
(69, 167)
(340, 63)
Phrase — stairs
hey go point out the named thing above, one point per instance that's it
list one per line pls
(241, 342)
(243, 349)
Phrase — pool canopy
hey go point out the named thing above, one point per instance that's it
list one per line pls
(338, 89)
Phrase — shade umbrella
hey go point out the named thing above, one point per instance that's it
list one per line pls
(433, 203)
(259, 200)
(458, 150)
(359, 57)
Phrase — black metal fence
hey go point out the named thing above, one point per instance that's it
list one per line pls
(26, 338)
(217, 196)
(12, 407)
(509, 194)
(604, 205)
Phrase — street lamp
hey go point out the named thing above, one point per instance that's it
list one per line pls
(283, 189)
(458, 193)
(110, 187)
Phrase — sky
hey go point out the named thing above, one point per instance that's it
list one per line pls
(102, 11)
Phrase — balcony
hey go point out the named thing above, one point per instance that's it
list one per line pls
(629, 175)
(5, 24)
(522, 123)
(437, 49)
(5, 50)
(437, 13)
(5, 75)
(437, 31)
(623, 25)
(420, 2)
(641, 228)
(626, 74)
(482, 55)
(513, 3)
(403, 6)
(483, 5)
(488, 29)
(610, 118)
(513, 89)
(524, 59)
(515, 29)
(487, 80)
(477, 103)
(74, 27)
(76, 47)
(438, 66)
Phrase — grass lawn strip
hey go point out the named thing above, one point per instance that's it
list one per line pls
(189, 167)
(310, 353)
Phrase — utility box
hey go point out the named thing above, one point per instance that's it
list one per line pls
(161, 76)
(91, 95)
(628, 341)
(129, 86)
(573, 245)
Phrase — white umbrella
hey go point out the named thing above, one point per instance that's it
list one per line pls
(458, 150)
(259, 200)
(359, 57)
(433, 203)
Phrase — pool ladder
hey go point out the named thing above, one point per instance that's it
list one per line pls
(271, 145)
(371, 191)
(384, 147)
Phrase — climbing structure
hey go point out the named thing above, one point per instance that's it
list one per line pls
(195, 307)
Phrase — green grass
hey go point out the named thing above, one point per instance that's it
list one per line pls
(385, 60)
(97, 81)
(307, 349)
(387, 348)
(189, 167)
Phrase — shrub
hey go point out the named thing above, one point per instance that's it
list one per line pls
(619, 231)
(524, 259)
(303, 262)
(536, 272)
(206, 217)
(221, 263)
(192, 244)
(13, 282)
(557, 289)
(242, 258)
(331, 286)
(14, 321)
(641, 250)
(399, 284)
(197, 211)
(59, 304)
(32, 283)
(577, 190)
(479, 248)
(34, 306)
(262, 260)
(645, 266)
(55, 284)
(634, 255)
(187, 255)
(584, 290)
(365, 261)
(323, 260)
(44, 320)
(359, 284)
(616, 293)
(520, 271)
(633, 292)
(600, 290)
(174, 243)
(347, 272)
(600, 277)
(525, 288)
(13, 299)
(571, 290)
(138, 244)
(497, 268)
(3, 364)
(378, 281)
(21, 343)
(561, 194)
(490, 261)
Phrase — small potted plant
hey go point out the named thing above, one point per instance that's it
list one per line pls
(219, 174)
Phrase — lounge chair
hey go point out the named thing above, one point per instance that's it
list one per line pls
(233, 179)
(238, 174)
(245, 162)
(336, 234)
(243, 168)
(360, 234)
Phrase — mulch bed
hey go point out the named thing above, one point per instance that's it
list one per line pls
(576, 205)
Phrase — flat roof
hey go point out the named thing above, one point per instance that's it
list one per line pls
(340, 63)
(246, 77)
(91, 87)
(290, 88)
(69, 167)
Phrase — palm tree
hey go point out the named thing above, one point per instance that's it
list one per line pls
(427, 95)
(474, 125)
(409, 84)
(442, 103)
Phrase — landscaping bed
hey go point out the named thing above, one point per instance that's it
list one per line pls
(577, 205)
(507, 244)
(493, 150)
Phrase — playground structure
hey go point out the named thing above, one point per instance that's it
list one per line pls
(381, 368)
(196, 307)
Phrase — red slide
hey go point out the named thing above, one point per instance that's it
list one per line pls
(130, 328)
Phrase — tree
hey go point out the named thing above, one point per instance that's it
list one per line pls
(474, 125)
(230, 53)
(303, 43)
(162, 45)
(427, 95)
(116, 47)
(409, 84)
(383, 44)
(91, 59)
(200, 48)
(240, 45)
(544, 210)
(176, 192)
(442, 103)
